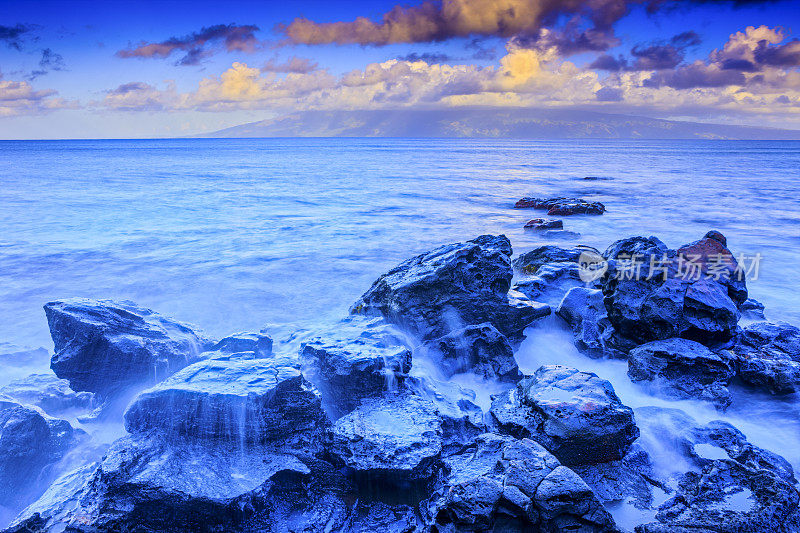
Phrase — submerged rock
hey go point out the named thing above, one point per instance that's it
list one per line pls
(654, 294)
(49, 393)
(584, 311)
(562, 206)
(31, 443)
(768, 356)
(438, 292)
(357, 359)
(541, 224)
(575, 415)
(107, 347)
(245, 401)
(480, 349)
(682, 369)
(502, 484)
(392, 440)
(241, 346)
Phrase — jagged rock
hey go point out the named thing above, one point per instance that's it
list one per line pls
(106, 347)
(453, 286)
(541, 224)
(728, 497)
(241, 346)
(530, 262)
(551, 282)
(49, 393)
(502, 484)
(768, 356)
(396, 439)
(480, 349)
(359, 358)
(240, 401)
(562, 206)
(628, 479)
(575, 415)
(31, 443)
(584, 311)
(658, 294)
(752, 309)
(681, 368)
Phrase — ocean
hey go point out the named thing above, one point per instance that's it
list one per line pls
(241, 234)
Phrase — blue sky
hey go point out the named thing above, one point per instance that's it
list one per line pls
(87, 69)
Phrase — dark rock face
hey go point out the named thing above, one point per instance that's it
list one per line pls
(30, 445)
(575, 415)
(693, 292)
(562, 206)
(392, 440)
(768, 356)
(584, 311)
(681, 368)
(630, 478)
(455, 285)
(106, 347)
(49, 393)
(501, 484)
(241, 346)
(360, 358)
(242, 402)
(541, 224)
(529, 262)
(752, 309)
(480, 349)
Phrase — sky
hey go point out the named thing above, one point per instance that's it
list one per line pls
(80, 69)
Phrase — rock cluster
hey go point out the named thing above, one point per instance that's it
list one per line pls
(562, 206)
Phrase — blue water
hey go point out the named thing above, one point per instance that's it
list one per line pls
(232, 235)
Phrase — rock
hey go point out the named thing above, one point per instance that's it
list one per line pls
(49, 393)
(682, 369)
(629, 479)
(241, 346)
(392, 440)
(240, 401)
(501, 484)
(728, 497)
(480, 349)
(31, 444)
(530, 262)
(15, 356)
(438, 292)
(543, 224)
(558, 234)
(768, 356)
(562, 206)
(575, 415)
(584, 311)
(752, 309)
(358, 358)
(106, 347)
(657, 294)
(551, 282)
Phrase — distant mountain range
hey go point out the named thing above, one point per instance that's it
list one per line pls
(521, 123)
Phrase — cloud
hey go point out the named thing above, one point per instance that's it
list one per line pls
(140, 96)
(609, 94)
(229, 37)
(294, 64)
(20, 98)
(13, 36)
(428, 57)
(438, 21)
(569, 41)
(50, 61)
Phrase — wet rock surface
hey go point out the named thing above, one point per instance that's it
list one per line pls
(541, 224)
(241, 346)
(107, 347)
(480, 349)
(575, 415)
(683, 369)
(48, 392)
(768, 356)
(562, 206)
(583, 309)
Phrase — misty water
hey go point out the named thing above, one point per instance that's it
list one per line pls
(284, 234)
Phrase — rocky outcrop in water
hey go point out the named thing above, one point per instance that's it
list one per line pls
(49, 393)
(584, 311)
(575, 415)
(541, 224)
(240, 346)
(562, 206)
(480, 349)
(768, 356)
(106, 347)
(682, 369)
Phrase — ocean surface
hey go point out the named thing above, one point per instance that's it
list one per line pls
(241, 234)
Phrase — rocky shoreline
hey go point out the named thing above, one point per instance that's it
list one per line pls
(336, 432)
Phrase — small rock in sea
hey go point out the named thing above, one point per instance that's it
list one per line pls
(561, 235)
(497, 483)
(576, 415)
(598, 178)
(51, 394)
(108, 348)
(768, 356)
(683, 369)
(544, 224)
(562, 206)
(752, 309)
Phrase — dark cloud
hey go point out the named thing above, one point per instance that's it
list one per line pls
(739, 64)
(609, 94)
(481, 51)
(610, 63)
(428, 57)
(569, 41)
(130, 87)
(298, 65)
(50, 61)
(697, 74)
(230, 37)
(13, 36)
(656, 57)
(686, 39)
(783, 55)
